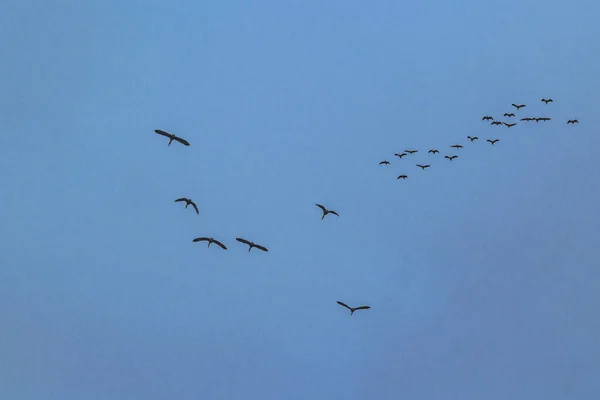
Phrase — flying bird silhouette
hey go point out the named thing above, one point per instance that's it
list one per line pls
(547, 101)
(400, 155)
(411, 151)
(450, 157)
(518, 106)
(353, 309)
(542, 119)
(508, 125)
(572, 121)
(527, 119)
(402, 177)
(433, 151)
(472, 138)
(326, 211)
(251, 244)
(509, 115)
(487, 118)
(496, 123)
(210, 241)
(493, 141)
(187, 203)
(423, 166)
(457, 146)
(172, 137)
(384, 162)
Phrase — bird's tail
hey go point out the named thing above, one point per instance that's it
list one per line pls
(249, 248)
(352, 312)
(323, 216)
(170, 141)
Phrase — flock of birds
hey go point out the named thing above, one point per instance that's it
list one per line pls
(474, 138)
(326, 211)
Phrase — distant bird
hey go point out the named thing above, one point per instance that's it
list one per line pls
(527, 119)
(353, 309)
(572, 121)
(450, 157)
(493, 141)
(172, 137)
(423, 166)
(487, 118)
(542, 119)
(496, 123)
(411, 151)
(457, 146)
(326, 211)
(251, 244)
(400, 155)
(518, 106)
(187, 203)
(509, 115)
(210, 241)
(433, 151)
(472, 138)
(508, 125)
(402, 176)
(384, 162)
(547, 101)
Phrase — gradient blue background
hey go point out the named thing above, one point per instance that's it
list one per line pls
(483, 274)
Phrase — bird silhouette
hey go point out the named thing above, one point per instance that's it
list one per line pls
(518, 106)
(326, 211)
(210, 241)
(487, 118)
(547, 101)
(527, 119)
(423, 166)
(187, 203)
(508, 125)
(400, 155)
(457, 146)
(402, 176)
(472, 138)
(172, 137)
(450, 157)
(572, 121)
(433, 151)
(411, 151)
(509, 115)
(493, 141)
(496, 123)
(542, 119)
(251, 244)
(384, 162)
(353, 309)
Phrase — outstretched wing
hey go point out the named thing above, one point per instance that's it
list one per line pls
(362, 308)
(344, 305)
(220, 244)
(180, 140)
(162, 133)
(201, 239)
(334, 213)
(321, 207)
(181, 199)
(195, 208)
(243, 241)
(261, 247)
(426, 166)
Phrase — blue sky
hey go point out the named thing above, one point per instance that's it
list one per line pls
(482, 274)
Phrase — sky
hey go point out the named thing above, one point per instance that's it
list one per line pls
(481, 273)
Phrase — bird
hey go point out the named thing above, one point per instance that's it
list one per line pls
(457, 146)
(411, 151)
(433, 151)
(509, 115)
(493, 141)
(547, 101)
(172, 137)
(402, 176)
(542, 119)
(326, 211)
(423, 166)
(508, 125)
(496, 123)
(384, 162)
(400, 155)
(572, 121)
(210, 241)
(353, 309)
(450, 157)
(187, 203)
(251, 244)
(487, 118)
(518, 106)
(527, 119)
(473, 138)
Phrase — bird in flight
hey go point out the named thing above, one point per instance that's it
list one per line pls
(353, 309)
(509, 115)
(527, 119)
(508, 125)
(251, 244)
(402, 176)
(172, 137)
(572, 121)
(493, 141)
(384, 162)
(326, 211)
(450, 157)
(433, 151)
(487, 118)
(496, 123)
(400, 155)
(187, 203)
(518, 106)
(542, 119)
(411, 151)
(423, 166)
(210, 241)
(547, 101)
(472, 138)
(457, 146)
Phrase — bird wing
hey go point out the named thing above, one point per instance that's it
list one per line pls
(514, 105)
(243, 241)
(344, 305)
(201, 239)
(261, 247)
(220, 244)
(362, 308)
(475, 138)
(195, 208)
(334, 213)
(162, 133)
(446, 157)
(321, 207)
(181, 199)
(180, 140)
(426, 166)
